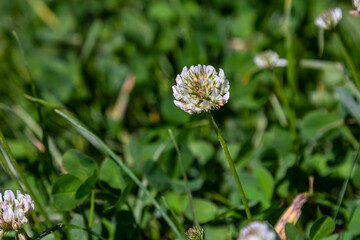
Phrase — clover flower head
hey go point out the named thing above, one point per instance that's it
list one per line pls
(356, 12)
(195, 233)
(257, 231)
(200, 88)
(269, 60)
(329, 18)
(13, 211)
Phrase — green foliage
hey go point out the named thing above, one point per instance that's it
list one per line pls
(94, 144)
(322, 228)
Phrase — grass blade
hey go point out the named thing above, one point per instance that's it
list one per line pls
(98, 143)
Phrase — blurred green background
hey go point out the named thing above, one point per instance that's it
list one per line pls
(112, 63)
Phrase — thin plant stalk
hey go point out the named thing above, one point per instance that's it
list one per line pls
(188, 191)
(348, 60)
(22, 178)
(231, 164)
(290, 70)
(92, 208)
(290, 113)
(44, 137)
(343, 188)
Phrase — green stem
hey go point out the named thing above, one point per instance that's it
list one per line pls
(23, 179)
(185, 178)
(92, 207)
(348, 60)
(290, 70)
(231, 164)
(290, 113)
(44, 137)
(343, 188)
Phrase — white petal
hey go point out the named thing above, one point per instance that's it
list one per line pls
(281, 62)
(179, 104)
(8, 214)
(9, 197)
(260, 62)
(226, 97)
(319, 21)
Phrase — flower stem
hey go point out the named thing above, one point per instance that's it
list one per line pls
(290, 113)
(92, 207)
(35, 94)
(188, 191)
(231, 164)
(345, 184)
(290, 70)
(348, 60)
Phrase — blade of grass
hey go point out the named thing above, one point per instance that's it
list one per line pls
(44, 12)
(185, 178)
(290, 70)
(348, 60)
(346, 182)
(177, 222)
(93, 139)
(44, 138)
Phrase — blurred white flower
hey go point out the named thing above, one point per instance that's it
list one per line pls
(329, 18)
(257, 231)
(200, 88)
(13, 211)
(356, 12)
(269, 60)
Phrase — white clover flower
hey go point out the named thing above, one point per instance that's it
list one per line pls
(356, 12)
(13, 211)
(329, 18)
(269, 60)
(257, 231)
(200, 88)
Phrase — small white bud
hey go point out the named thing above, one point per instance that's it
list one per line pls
(269, 60)
(329, 19)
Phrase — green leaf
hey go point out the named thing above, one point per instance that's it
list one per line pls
(64, 190)
(79, 164)
(202, 150)
(356, 177)
(292, 233)
(177, 202)
(126, 192)
(110, 173)
(279, 139)
(205, 210)
(315, 124)
(87, 186)
(354, 223)
(323, 227)
(266, 182)
(74, 233)
(349, 102)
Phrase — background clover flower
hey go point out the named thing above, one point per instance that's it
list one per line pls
(269, 60)
(329, 18)
(257, 231)
(356, 12)
(200, 88)
(13, 211)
